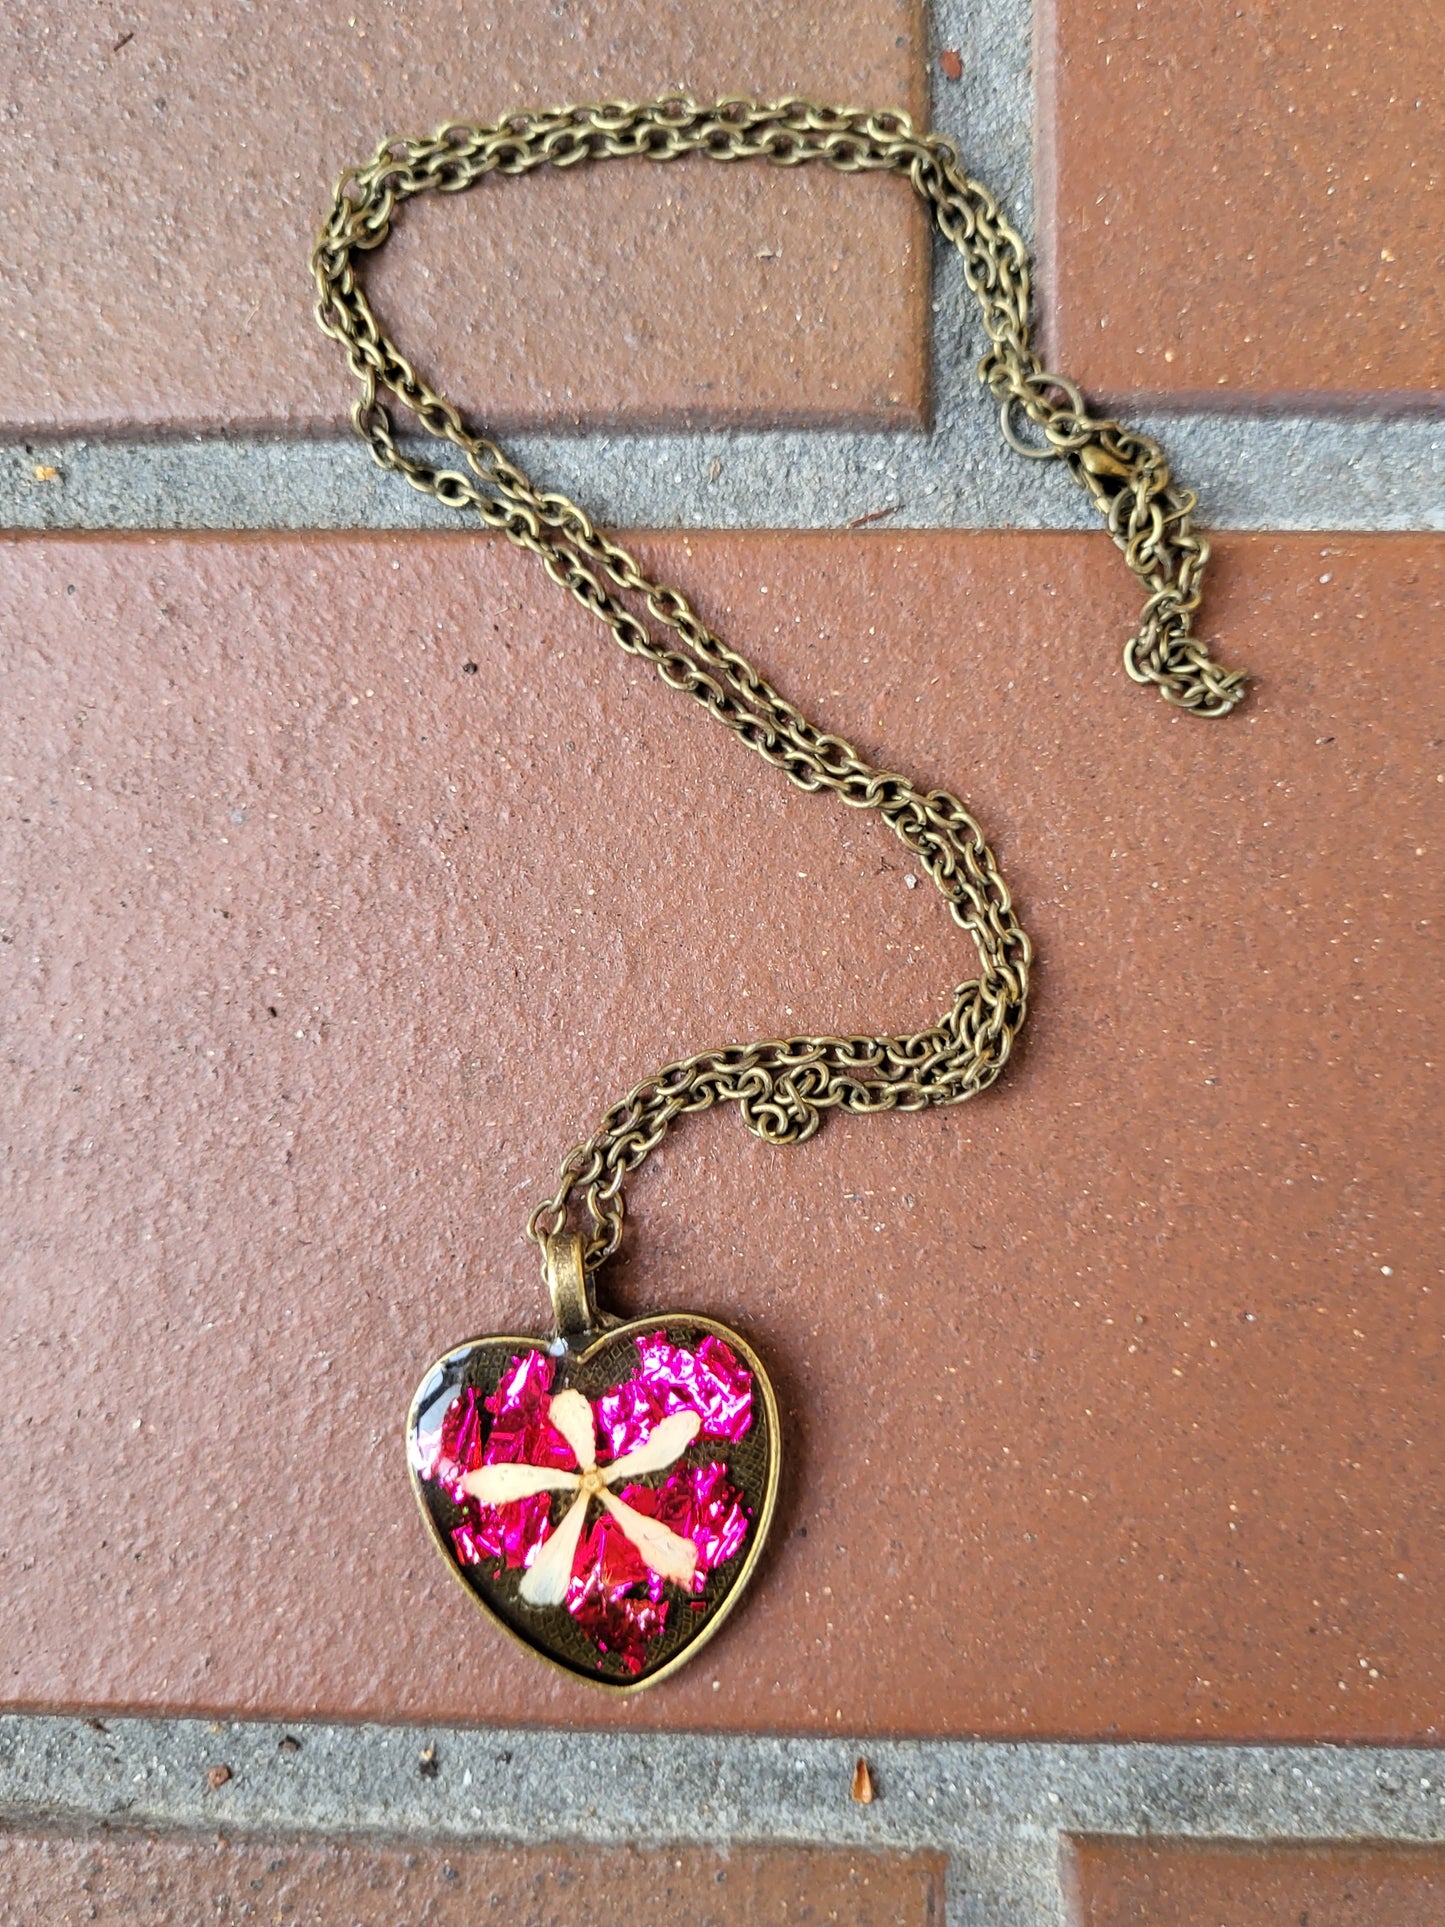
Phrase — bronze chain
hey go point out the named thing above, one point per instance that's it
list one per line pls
(784, 1085)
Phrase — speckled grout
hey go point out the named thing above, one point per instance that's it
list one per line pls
(1000, 1809)
(1289, 473)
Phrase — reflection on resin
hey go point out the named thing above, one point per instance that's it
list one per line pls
(621, 1554)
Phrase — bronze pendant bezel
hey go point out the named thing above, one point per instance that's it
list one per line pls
(579, 1349)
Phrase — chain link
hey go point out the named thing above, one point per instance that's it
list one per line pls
(782, 1086)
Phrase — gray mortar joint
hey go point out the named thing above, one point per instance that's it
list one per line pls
(1251, 470)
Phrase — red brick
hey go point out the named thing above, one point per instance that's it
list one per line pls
(1242, 204)
(1112, 1401)
(168, 169)
(119, 1876)
(1137, 1883)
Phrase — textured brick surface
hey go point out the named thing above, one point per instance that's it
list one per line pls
(113, 1877)
(166, 169)
(1113, 1401)
(1244, 204)
(1136, 1883)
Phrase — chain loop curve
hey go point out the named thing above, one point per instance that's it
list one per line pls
(783, 1087)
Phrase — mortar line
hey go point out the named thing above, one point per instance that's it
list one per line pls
(998, 1808)
(1291, 473)
(1252, 470)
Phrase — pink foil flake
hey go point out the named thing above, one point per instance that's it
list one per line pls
(699, 1502)
(711, 1381)
(613, 1596)
(512, 1533)
(609, 1599)
(520, 1431)
(451, 1451)
(520, 1427)
(472, 1547)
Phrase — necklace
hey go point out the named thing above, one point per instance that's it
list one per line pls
(604, 1491)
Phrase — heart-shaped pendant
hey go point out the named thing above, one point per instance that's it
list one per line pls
(604, 1494)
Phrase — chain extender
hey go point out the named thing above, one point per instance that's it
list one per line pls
(783, 1085)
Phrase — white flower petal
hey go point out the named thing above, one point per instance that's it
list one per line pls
(572, 1416)
(500, 1484)
(551, 1571)
(667, 1440)
(668, 1555)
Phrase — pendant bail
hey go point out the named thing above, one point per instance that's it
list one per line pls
(573, 1305)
